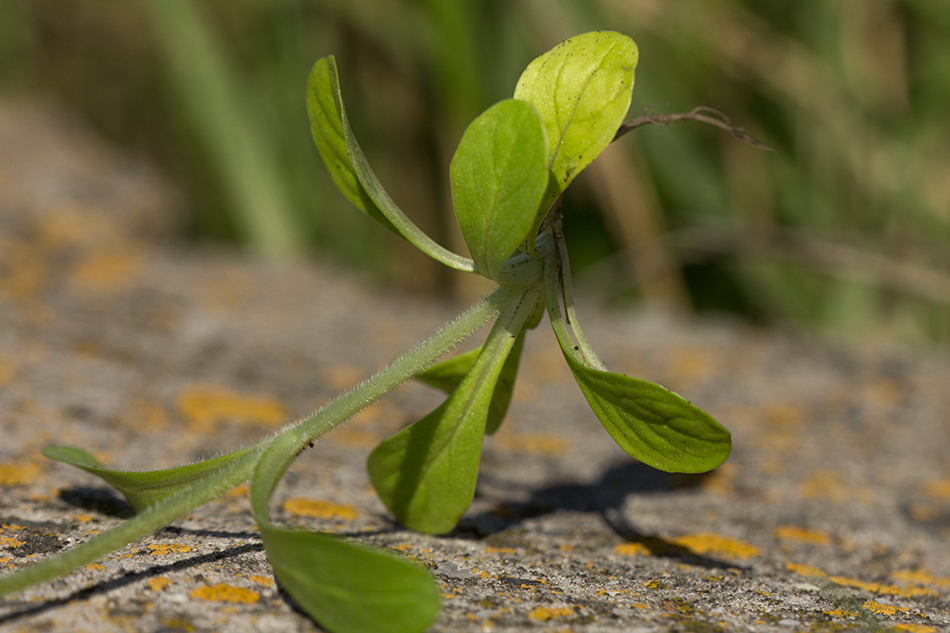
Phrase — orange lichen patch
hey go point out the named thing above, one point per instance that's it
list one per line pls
(159, 583)
(500, 550)
(9, 541)
(717, 545)
(238, 492)
(532, 443)
(161, 549)
(206, 406)
(543, 614)
(83, 518)
(226, 593)
(883, 609)
(796, 533)
(95, 567)
(267, 581)
(302, 506)
(18, 474)
(632, 549)
(806, 570)
(938, 488)
(107, 270)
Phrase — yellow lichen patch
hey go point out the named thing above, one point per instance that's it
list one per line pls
(226, 593)
(18, 474)
(207, 406)
(83, 518)
(95, 567)
(161, 549)
(107, 270)
(920, 577)
(179, 624)
(717, 545)
(883, 609)
(796, 533)
(632, 549)
(500, 550)
(806, 570)
(543, 614)
(267, 581)
(302, 506)
(880, 588)
(915, 628)
(9, 541)
(159, 583)
(532, 443)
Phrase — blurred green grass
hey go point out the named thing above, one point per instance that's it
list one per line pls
(844, 229)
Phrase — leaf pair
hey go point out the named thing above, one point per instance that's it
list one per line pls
(426, 473)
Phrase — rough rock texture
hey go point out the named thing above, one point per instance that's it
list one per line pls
(832, 514)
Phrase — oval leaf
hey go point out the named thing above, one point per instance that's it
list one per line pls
(499, 175)
(653, 424)
(582, 90)
(348, 588)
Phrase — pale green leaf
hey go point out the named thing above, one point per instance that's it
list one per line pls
(144, 488)
(499, 175)
(582, 90)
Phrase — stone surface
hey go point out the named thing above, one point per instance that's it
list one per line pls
(833, 512)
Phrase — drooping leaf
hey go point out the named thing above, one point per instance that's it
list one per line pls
(350, 170)
(144, 488)
(651, 423)
(349, 588)
(582, 90)
(345, 587)
(425, 473)
(499, 175)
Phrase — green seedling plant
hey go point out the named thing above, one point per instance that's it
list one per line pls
(511, 168)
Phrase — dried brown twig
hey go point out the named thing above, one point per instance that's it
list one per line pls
(702, 114)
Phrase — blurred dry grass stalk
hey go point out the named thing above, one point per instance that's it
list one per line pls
(845, 228)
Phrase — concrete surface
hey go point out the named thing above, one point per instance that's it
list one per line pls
(832, 514)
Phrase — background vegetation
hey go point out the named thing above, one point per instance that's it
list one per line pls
(845, 228)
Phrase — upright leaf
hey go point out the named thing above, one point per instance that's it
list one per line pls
(144, 488)
(351, 171)
(426, 473)
(499, 175)
(448, 374)
(582, 90)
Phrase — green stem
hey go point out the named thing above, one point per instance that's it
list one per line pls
(557, 279)
(284, 446)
